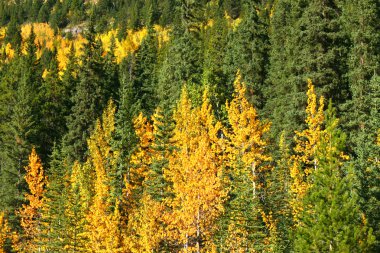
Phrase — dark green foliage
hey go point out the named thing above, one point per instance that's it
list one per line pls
(214, 53)
(17, 136)
(308, 42)
(247, 50)
(277, 46)
(145, 73)
(125, 139)
(89, 99)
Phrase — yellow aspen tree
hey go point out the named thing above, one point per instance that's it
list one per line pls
(4, 232)
(30, 213)
(247, 157)
(103, 228)
(145, 232)
(304, 162)
(195, 174)
(139, 208)
(142, 157)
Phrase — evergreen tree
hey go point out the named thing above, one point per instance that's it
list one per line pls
(331, 219)
(88, 101)
(247, 50)
(312, 46)
(362, 24)
(145, 72)
(54, 220)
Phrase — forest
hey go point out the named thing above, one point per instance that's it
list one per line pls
(189, 126)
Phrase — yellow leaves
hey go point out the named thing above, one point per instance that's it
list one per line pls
(36, 181)
(4, 232)
(9, 51)
(44, 34)
(102, 229)
(30, 213)
(233, 23)
(145, 231)
(194, 171)
(304, 162)
(246, 142)
(162, 34)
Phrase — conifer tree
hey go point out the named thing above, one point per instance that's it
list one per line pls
(54, 219)
(88, 100)
(19, 132)
(247, 50)
(278, 196)
(77, 206)
(331, 219)
(214, 53)
(315, 48)
(145, 72)
(360, 120)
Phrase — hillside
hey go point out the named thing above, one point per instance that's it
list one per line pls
(189, 126)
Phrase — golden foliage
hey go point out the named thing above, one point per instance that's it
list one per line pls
(102, 226)
(232, 23)
(4, 232)
(307, 141)
(195, 173)
(30, 214)
(246, 156)
(144, 232)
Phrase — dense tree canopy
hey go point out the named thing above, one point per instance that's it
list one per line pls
(189, 126)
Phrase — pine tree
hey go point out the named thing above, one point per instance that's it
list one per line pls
(88, 101)
(52, 109)
(315, 48)
(145, 72)
(80, 192)
(247, 50)
(278, 209)
(360, 120)
(124, 140)
(331, 219)
(17, 139)
(214, 53)
(54, 219)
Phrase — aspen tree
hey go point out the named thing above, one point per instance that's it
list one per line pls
(102, 226)
(30, 213)
(4, 232)
(304, 162)
(246, 165)
(195, 174)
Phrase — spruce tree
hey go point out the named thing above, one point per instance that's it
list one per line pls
(313, 46)
(88, 100)
(331, 219)
(361, 111)
(247, 50)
